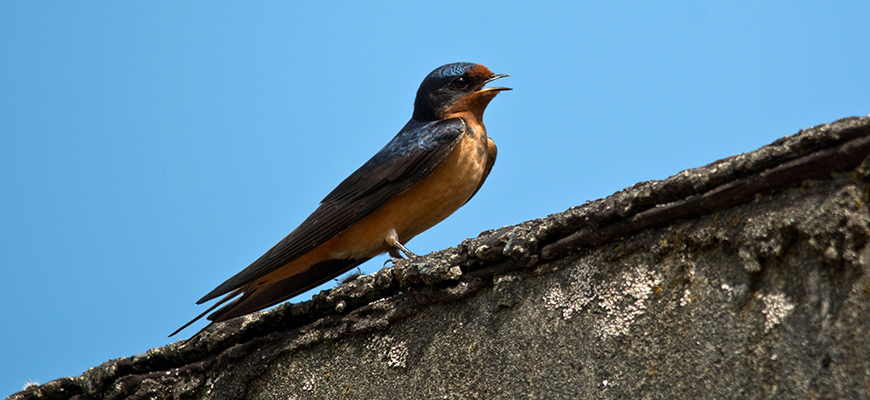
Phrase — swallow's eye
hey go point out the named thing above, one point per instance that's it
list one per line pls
(460, 83)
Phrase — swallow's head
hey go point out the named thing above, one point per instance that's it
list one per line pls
(455, 88)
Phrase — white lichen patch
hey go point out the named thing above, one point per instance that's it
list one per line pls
(776, 308)
(390, 351)
(622, 299)
(625, 300)
(577, 295)
(398, 355)
(687, 298)
(308, 383)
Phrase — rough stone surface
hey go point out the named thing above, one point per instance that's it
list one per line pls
(746, 278)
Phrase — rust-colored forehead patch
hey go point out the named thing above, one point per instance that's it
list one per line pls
(479, 70)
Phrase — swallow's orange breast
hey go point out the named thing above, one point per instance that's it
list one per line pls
(422, 206)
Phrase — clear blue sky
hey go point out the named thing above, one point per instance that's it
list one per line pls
(150, 150)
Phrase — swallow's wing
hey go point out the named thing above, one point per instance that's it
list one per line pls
(412, 155)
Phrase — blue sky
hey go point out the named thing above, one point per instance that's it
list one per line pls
(150, 150)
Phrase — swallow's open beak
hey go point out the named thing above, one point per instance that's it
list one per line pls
(489, 89)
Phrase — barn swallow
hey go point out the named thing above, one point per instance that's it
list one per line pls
(433, 166)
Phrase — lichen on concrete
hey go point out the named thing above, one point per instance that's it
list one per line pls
(776, 308)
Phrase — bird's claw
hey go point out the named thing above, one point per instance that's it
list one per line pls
(394, 261)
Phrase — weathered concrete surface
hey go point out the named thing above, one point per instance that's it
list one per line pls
(746, 278)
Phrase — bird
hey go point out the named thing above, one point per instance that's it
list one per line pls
(432, 167)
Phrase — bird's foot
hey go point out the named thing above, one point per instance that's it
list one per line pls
(393, 241)
(393, 261)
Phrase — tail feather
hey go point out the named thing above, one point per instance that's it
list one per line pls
(269, 295)
(258, 298)
(215, 305)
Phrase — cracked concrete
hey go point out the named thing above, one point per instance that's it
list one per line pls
(745, 278)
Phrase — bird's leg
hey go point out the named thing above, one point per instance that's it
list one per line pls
(393, 241)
